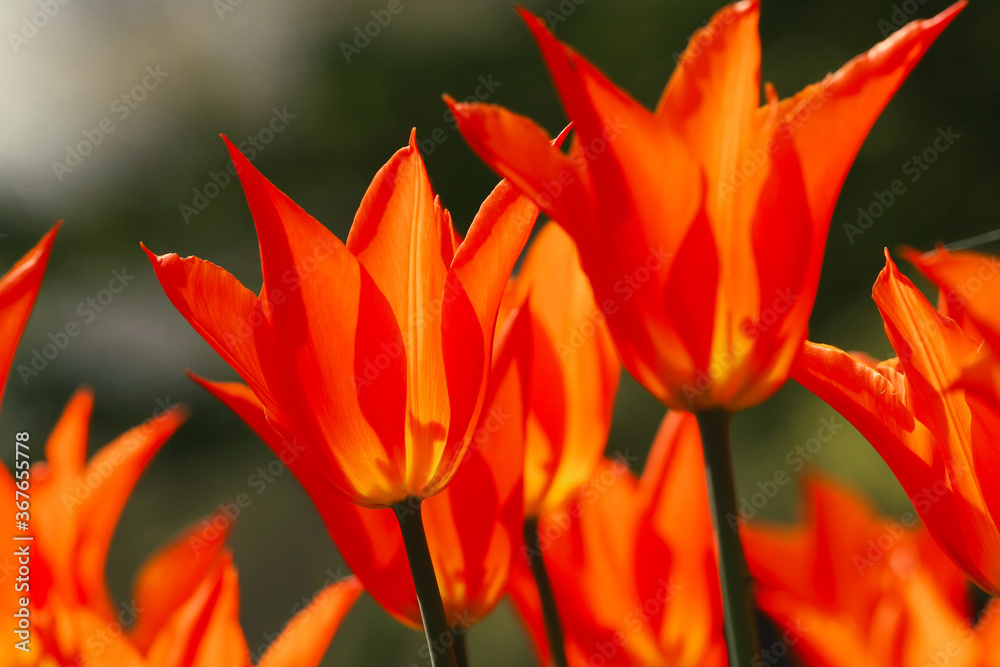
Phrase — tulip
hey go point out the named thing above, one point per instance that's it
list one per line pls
(936, 436)
(374, 354)
(702, 224)
(633, 563)
(573, 378)
(186, 601)
(850, 587)
(574, 372)
(473, 526)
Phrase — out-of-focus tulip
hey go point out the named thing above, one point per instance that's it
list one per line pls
(186, 601)
(573, 375)
(632, 563)
(850, 587)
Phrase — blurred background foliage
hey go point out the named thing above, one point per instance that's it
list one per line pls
(231, 64)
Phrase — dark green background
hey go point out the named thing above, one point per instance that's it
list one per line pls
(227, 74)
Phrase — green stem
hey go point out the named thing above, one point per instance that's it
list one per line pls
(734, 575)
(550, 610)
(436, 630)
(460, 651)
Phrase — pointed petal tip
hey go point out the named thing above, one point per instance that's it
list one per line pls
(947, 16)
(558, 141)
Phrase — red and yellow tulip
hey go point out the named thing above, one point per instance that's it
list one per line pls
(473, 526)
(375, 354)
(850, 587)
(702, 223)
(632, 562)
(935, 435)
(573, 373)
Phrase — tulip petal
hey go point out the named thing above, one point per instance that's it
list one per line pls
(304, 640)
(173, 575)
(318, 355)
(225, 313)
(368, 539)
(678, 529)
(206, 631)
(933, 351)
(18, 289)
(126, 458)
(575, 372)
(66, 448)
(967, 282)
(828, 121)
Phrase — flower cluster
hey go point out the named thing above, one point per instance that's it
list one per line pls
(450, 420)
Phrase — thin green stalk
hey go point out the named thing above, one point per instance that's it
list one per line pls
(734, 575)
(439, 640)
(550, 610)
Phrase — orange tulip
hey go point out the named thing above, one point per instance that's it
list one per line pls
(374, 355)
(473, 526)
(18, 289)
(937, 437)
(185, 603)
(632, 563)
(574, 372)
(849, 587)
(701, 225)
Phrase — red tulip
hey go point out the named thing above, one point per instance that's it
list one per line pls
(473, 526)
(186, 601)
(849, 587)
(374, 355)
(937, 437)
(632, 563)
(573, 376)
(702, 224)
